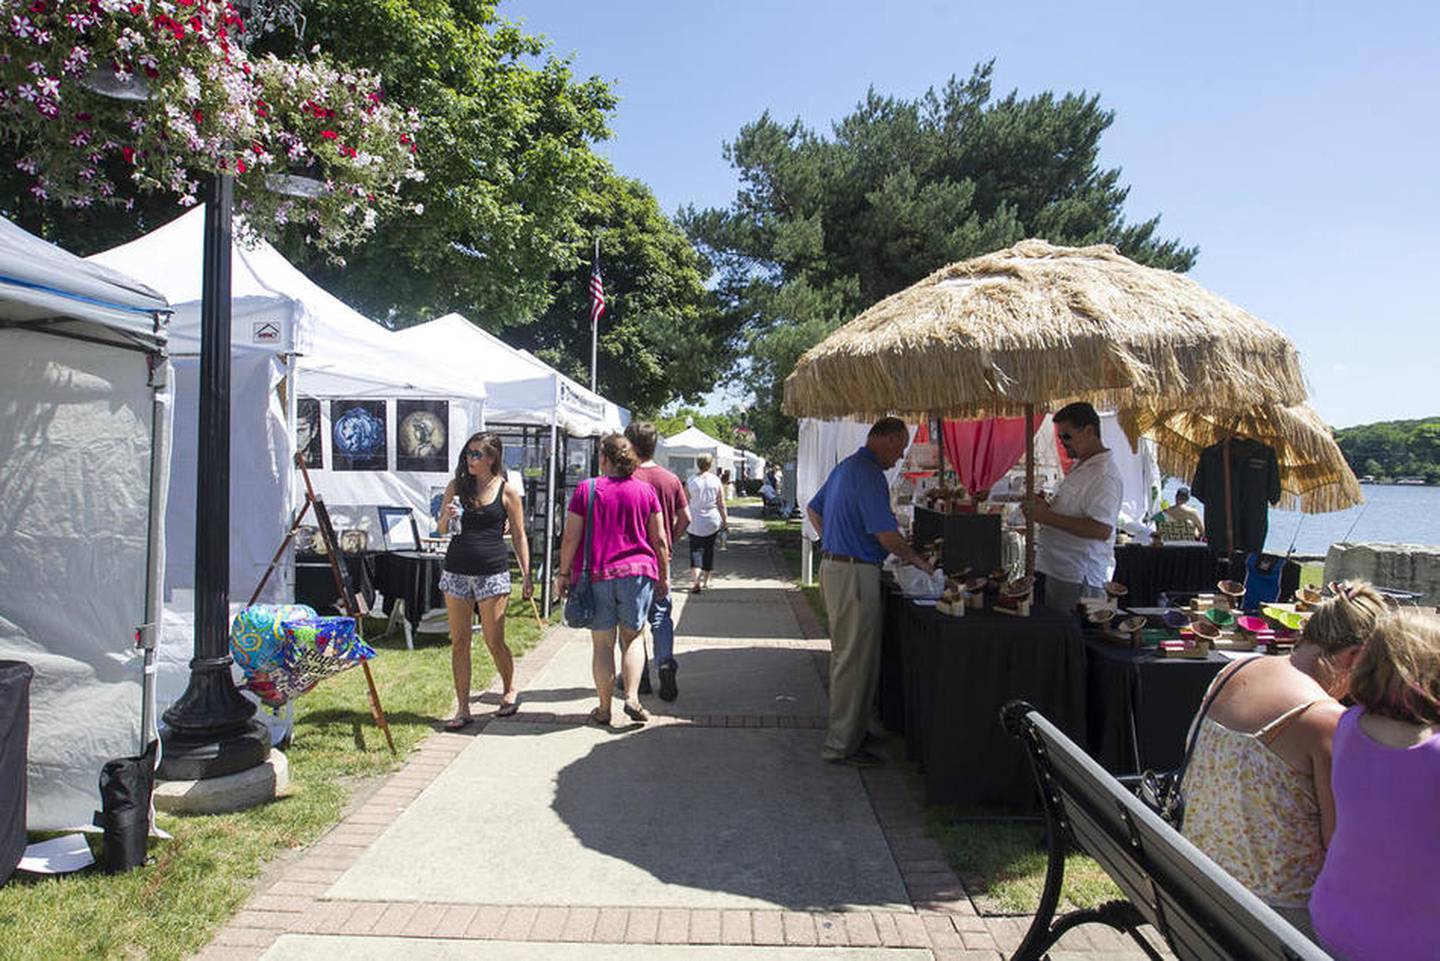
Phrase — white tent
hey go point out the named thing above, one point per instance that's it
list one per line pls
(84, 437)
(519, 387)
(678, 452)
(290, 341)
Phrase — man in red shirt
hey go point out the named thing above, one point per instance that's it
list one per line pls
(643, 436)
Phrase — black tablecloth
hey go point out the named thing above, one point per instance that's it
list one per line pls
(414, 576)
(1148, 570)
(14, 747)
(1140, 700)
(958, 672)
(315, 584)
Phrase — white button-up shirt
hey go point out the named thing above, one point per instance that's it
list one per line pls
(1093, 489)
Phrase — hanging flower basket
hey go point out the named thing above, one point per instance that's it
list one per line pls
(163, 94)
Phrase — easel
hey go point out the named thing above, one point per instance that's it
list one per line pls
(352, 605)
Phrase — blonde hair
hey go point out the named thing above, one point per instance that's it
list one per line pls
(703, 462)
(617, 449)
(1398, 673)
(1344, 619)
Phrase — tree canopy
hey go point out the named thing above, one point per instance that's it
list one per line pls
(822, 227)
(1393, 448)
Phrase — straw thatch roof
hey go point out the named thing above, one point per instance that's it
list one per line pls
(1045, 324)
(1314, 476)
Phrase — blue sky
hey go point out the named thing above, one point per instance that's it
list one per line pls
(1295, 143)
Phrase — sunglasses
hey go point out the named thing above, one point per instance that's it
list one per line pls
(474, 454)
(1066, 435)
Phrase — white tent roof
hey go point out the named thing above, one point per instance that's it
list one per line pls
(275, 307)
(520, 388)
(39, 281)
(692, 440)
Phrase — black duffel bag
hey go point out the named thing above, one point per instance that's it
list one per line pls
(14, 741)
(125, 786)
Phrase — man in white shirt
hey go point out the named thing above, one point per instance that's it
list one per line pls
(1075, 536)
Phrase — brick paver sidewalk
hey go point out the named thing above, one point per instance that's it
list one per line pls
(378, 884)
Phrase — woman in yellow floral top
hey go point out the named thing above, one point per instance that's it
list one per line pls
(1257, 791)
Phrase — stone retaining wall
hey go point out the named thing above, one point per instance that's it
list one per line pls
(1406, 567)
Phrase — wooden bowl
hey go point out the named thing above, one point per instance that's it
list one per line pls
(976, 584)
(1231, 588)
(1131, 624)
(1102, 616)
(1205, 629)
(1116, 589)
(1309, 595)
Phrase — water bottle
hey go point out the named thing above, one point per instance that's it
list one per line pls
(724, 539)
(455, 521)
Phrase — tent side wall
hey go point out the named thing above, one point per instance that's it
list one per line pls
(75, 468)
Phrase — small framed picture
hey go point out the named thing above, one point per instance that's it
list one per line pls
(398, 529)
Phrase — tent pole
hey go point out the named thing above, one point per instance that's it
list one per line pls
(148, 636)
(1029, 487)
(545, 569)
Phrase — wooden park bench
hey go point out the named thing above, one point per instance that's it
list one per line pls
(1168, 883)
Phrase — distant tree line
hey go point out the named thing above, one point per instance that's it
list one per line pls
(1394, 448)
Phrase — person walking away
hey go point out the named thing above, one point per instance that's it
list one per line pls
(851, 512)
(676, 510)
(708, 518)
(476, 572)
(1075, 539)
(1376, 896)
(629, 564)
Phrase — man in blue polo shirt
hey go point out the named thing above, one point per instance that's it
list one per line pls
(857, 530)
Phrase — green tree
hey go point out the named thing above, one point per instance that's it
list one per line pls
(719, 426)
(821, 228)
(506, 146)
(661, 337)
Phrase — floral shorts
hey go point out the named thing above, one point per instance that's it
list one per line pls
(476, 587)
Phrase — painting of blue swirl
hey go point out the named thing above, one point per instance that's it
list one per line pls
(358, 435)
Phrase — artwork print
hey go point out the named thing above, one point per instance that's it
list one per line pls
(422, 436)
(357, 435)
(307, 432)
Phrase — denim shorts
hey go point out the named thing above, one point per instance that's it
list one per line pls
(478, 587)
(622, 600)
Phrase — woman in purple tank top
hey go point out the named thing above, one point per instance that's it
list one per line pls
(1378, 895)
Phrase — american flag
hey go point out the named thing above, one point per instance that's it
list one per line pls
(597, 295)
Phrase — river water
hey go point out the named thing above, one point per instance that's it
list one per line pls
(1391, 514)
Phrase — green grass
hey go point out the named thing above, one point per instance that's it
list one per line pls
(786, 536)
(1002, 864)
(171, 907)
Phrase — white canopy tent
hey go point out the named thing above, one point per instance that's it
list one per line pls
(290, 339)
(678, 452)
(84, 457)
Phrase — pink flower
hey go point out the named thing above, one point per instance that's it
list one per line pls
(21, 26)
(26, 92)
(36, 67)
(48, 108)
(49, 86)
(38, 191)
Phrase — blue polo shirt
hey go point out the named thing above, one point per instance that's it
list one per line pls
(854, 506)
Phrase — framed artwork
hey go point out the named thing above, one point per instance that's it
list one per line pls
(398, 529)
(358, 435)
(308, 440)
(422, 435)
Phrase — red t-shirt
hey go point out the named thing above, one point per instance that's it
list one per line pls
(670, 491)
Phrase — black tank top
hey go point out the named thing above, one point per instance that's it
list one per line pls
(479, 549)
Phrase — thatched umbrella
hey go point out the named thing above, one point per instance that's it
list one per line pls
(1314, 475)
(1041, 324)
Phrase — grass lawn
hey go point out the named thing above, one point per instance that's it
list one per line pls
(170, 908)
(1000, 862)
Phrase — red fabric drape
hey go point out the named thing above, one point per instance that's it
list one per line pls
(981, 451)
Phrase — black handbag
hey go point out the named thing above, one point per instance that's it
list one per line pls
(580, 601)
(1161, 791)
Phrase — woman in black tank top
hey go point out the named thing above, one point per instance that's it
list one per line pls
(477, 566)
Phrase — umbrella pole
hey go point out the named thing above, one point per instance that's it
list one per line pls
(1029, 487)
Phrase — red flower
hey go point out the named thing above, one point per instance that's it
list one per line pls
(37, 7)
(329, 134)
(240, 165)
(199, 117)
(129, 154)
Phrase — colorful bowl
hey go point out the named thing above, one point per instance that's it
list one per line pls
(1293, 620)
(1252, 624)
(1220, 618)
(1174, 618)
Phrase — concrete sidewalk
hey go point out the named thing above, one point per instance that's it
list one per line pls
(714, 833)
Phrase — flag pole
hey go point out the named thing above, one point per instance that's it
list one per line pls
(594, 324)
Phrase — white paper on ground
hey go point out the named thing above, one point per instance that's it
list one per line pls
(57, 856)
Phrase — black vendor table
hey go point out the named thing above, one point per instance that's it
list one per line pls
(957, 672)
(413, 576)
(1141, 705)
(1147, 570)
(315, 583)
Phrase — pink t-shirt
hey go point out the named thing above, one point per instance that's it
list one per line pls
(620, 542)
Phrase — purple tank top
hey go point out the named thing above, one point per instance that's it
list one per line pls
(1378, 895)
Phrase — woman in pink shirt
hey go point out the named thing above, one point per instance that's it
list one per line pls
(1378, 895)
(629, 564)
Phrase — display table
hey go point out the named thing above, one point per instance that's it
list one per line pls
(1141, 705)
(411, 576)
(956, 675)
(1147, 570)
(315, 583)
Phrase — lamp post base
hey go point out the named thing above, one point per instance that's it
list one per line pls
(211, 731)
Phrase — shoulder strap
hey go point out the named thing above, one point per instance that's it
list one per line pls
(1290, 715)
(1205, 709)
(589, 523)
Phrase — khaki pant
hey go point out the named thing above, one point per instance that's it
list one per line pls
(852, 601)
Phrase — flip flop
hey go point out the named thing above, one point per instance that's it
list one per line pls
(637, 713)
(505, 710)
(459, 723)
(600, 716)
